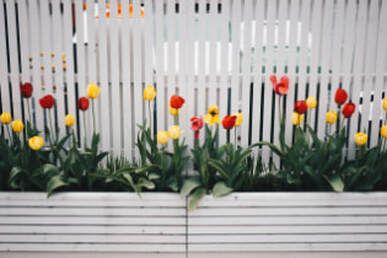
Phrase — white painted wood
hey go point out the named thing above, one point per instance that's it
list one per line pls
(5, 94)
(155, 223)
(68, 59)
(136, 25)
(240, 222)
(224, 84)
(325, 50)
(14, 61)
(102, 56)
(114, 77)
(126, 73)
(289, 221)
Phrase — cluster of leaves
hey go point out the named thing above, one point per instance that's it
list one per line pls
(310, 163)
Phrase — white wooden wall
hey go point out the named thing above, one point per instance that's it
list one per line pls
(210, 51)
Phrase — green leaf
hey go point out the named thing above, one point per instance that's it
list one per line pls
(335, 182)
(49, 169)
(196, 197)
(142, 182)
(221, 189)
(189, 185)
(54, 183)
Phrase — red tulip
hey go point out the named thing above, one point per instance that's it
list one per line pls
(282, 86)
(300, 107)
(26, 90)
(341, 96)
(176, 101)
(47, 101)
(83, 103)
(196, 125)
(228, 122)
(348, 109)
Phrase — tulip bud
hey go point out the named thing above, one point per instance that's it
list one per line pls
(149, 93)
(5, 118)
(36, 143)
(311, 102)
(239, 119)
(361, 138)
(17, 126)
(383, 131)
(69, 120)
(162, 137)
(331, 117)
(297, 119)
(174, 132)
(93, 91)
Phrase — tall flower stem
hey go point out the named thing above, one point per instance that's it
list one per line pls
(29, 111)
(84, 128)
(9, 134)
(51, 133)
(150, 116)
(92, 110)
(235, 137)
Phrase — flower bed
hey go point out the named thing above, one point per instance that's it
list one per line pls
(52, 161)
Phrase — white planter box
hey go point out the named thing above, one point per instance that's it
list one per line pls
(245, 223)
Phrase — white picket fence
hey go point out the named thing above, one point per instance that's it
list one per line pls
(209, 51)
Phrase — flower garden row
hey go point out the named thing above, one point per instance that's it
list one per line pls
(310, 163)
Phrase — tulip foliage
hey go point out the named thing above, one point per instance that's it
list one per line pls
(31, 160)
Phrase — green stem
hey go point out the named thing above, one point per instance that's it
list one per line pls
(235, 137)
(150, 116)
(9, 134)
(92, 109)
(29, 111)
(84, 128)
(51, 133)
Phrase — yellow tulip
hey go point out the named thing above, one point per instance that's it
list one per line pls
(162, 137)
(69, 120)
(383, 131)
(17, 126)
(36, 142)
(385, 103)
(211, 120)
(173, 111)
(361, 138)
(331, 117)
(5, 118)
(174, 132)
(149, 93)
(297, 118)
(213, 110)
(239, 119)
(311, 102)
(93, 91)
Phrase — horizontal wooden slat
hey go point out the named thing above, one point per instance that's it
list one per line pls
(286, 229)
(291, 238)
(89, 200)
(287, 199)
(238, 247)
(95, 239)
(326, 220)
(94, 229)
(94, 247)
(40, 220)
(289, 211)
(89, 212)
